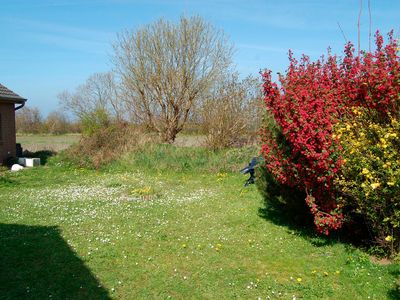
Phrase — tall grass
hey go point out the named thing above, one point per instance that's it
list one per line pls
(166, 157)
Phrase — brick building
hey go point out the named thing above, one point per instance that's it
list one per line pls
(9, 103)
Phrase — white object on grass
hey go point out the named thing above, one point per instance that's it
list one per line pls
(16, 168)
(32, 162)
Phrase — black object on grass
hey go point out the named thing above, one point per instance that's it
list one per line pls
(250, 170)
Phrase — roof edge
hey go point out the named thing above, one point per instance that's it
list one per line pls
(13, 99)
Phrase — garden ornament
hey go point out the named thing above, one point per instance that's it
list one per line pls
(250, 170)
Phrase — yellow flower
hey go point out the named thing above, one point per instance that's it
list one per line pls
(389, 238)
(184, 245)
(326, 274)
(365, 171)
(299, 280)
(375, 185)
(390, 183)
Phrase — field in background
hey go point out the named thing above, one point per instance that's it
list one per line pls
(38, 142)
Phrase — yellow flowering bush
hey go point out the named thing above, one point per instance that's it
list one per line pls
(369, 181)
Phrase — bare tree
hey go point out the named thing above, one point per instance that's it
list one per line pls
(99, 93)
(96, 103)
(165, 68)
(57, 123)
(232, 111)
(29, 120)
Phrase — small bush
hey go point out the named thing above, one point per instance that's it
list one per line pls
(231, 114)
(106, 144)
(95, 121)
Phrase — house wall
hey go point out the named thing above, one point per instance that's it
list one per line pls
(7, 135)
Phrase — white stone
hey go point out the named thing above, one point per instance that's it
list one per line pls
(16, 168)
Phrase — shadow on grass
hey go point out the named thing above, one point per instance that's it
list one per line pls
(394, 293)
(44, 155)
(36, 263)
(303, 228)
(285, 206)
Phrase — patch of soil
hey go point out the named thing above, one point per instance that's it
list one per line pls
(381, 261)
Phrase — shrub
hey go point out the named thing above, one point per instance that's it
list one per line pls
(231, 112)
(297, 145)
(313, 100)
(106, 144)
(95, 122)
(369, 180)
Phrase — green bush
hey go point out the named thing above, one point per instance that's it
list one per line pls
(95, 121)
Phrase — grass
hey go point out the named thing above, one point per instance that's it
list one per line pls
(168, 223)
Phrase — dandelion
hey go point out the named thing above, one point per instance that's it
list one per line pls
(375, 185)
(299, 279)
(389, 238)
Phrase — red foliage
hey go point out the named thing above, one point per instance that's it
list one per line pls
(311, 98)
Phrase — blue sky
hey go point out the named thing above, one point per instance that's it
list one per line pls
(48, 46)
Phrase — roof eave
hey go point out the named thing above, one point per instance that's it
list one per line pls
(18, 100)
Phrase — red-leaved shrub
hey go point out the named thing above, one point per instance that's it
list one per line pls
(309, 100)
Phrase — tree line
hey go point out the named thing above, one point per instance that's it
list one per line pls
(29, 120)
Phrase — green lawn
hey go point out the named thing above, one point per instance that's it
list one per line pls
(135, 231)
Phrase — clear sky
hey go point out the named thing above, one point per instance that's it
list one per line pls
(48, 46)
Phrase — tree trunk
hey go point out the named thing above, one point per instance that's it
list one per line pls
(169, 135)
